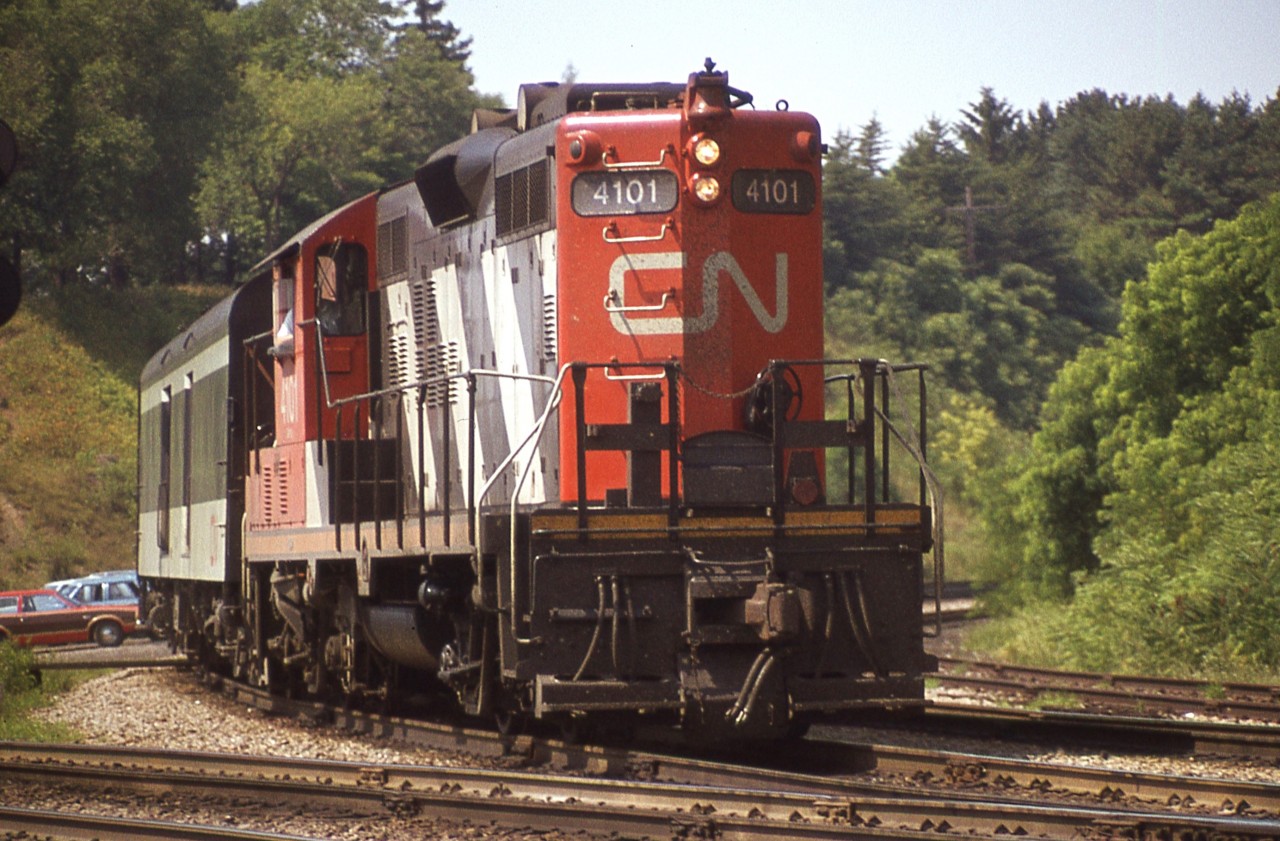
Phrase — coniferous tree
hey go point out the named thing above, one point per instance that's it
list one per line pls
(441, 32)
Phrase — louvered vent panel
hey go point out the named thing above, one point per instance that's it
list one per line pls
(426, 317)
(384, 248)
(537, 192)
(398, 353)
(442, 360)
(521, 198)
(282, 491)
(268, 492)
(549, 328)
(393, 253)
(399, 246)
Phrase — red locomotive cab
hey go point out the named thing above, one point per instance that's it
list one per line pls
(690, 232)
(322, 345)
(319, 350)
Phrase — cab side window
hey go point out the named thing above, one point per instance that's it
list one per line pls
(342, 282)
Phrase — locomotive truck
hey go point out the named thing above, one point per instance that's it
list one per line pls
(548, 430)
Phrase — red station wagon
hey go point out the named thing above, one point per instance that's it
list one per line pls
(43, 617)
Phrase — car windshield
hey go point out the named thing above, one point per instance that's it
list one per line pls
(42, 601)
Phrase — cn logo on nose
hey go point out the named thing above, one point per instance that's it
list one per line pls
(718, 264)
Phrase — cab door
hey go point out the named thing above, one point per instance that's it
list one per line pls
(286, 343)
(341, 314)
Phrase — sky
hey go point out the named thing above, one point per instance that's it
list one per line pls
(901, 63)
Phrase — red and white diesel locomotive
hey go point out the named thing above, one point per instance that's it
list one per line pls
(547, 430)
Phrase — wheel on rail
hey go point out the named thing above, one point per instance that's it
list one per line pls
(575, 730)
(509, 723)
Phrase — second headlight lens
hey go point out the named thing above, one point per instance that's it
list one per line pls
(706, 188)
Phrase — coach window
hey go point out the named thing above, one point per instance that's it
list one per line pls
(342, 279)
(187, 421)
(162, 490)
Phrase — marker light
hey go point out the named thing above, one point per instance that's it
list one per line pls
(706, 188)
(706, 151)
(585, 148)
(805, 146)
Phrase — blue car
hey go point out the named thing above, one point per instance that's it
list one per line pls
(102, 588)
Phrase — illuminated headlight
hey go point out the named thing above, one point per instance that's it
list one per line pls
(706, 188)
(706, 151)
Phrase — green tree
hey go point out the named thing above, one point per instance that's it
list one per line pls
(864, 210)
(113, 105)
(933, 172)
(428, 100)
(336, 98)
(447, 37)
(290, 149)
(1207, 176)
(1128, 429)
(992, 129)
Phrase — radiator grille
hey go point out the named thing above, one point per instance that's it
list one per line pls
(393, 252)
(521, 198)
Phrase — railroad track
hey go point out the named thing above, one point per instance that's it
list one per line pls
(860, 785)
(42, 823)
(1084, 690)
(756, 806)
(1032, 780)
(1111, 732)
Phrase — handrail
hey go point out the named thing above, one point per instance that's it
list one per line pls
(612, 227)
(915, 445)
(629, 378)
(662, 156)
(866, 372)
(535, 435)
(613, 295)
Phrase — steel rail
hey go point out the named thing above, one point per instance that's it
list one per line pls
(1011, 776)
(1034, 778)
(55, 664)
(1174, 695)
(1153, 735)
(830, 757)
(538, 801)
(78, 826)
(1111, 732)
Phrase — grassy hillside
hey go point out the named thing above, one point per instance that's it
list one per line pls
(69, 365)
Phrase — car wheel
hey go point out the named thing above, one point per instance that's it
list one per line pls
(108, 634)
